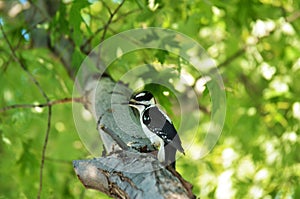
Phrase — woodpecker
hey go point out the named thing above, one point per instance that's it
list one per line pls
(158, 127)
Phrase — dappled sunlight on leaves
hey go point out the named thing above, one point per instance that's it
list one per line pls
(256, 46)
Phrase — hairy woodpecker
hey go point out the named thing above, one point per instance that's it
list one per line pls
(158, 127)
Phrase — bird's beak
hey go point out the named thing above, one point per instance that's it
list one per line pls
(132, 102)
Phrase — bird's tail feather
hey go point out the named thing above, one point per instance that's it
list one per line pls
(170, 155)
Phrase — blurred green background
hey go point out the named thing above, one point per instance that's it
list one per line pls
(255, 44)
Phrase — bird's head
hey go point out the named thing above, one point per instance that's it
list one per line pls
(142, 100)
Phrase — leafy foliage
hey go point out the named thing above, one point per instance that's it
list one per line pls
(255, 45)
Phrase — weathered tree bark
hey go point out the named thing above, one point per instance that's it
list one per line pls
(125, 171)
(124, 175)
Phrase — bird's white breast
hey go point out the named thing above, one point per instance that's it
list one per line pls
(155, 139)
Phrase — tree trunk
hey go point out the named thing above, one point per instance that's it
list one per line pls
(125, 170)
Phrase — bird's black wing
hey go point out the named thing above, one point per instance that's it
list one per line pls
(160, 124)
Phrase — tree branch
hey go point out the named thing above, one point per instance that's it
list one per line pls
(234, 56)
(44, 151)
(88, 40)
(130, 175)
(107, 7)
(105, 27)
(50, 103)
(120, 142)
(110, 20)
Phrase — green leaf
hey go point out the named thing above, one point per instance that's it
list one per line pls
(161, 55)
(28, 161)
(76, 20)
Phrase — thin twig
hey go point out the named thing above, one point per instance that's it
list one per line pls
(126, 14)
(104, 28)
(107, 7)
(90, 38)
(230, 59)
(110, 20)
(50, 103)
(115, 137)
(44, 151)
